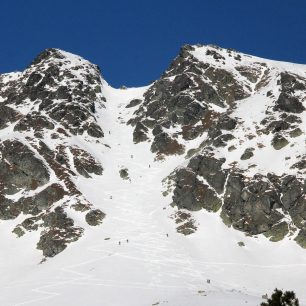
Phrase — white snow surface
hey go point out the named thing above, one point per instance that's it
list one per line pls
(130, 260)
(136, 257)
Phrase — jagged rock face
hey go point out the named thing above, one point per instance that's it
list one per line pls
(250, 163)
(288, 99)
(254, 205)
(22, 170)
(63, 89)
(60, 231)
(190, 95)
(42, 108)
(8, 115)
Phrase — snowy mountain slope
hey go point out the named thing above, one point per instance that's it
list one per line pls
(241, 112)
(138, 256)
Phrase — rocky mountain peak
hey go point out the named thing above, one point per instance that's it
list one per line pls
(47, 104)
(240, 122)
(63, 60)
(114, 179)
(48, 54)
(60, 86)
(245, 117)
(223, 115)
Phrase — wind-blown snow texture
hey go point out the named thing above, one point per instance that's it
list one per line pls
(88, 173)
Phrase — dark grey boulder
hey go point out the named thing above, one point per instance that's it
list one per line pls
(22, 170)
(9, 209)
(164, 144)
(94, 217)
(250, 206)
(192, 194)
(278, 125)
(140, 133)
(292, 190)
(124, 173)
(85, 163)
(210, 168)
(60, 231)
(133, 103)
(226, 123)
(247, 154)
(222, 140)
(288, 103)
(279, 142)
(296, 133)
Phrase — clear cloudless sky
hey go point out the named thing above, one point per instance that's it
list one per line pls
(133, 41)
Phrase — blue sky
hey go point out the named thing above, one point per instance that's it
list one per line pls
(133, 41)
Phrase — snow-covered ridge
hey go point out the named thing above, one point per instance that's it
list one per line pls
(98, 197)
(232, 59)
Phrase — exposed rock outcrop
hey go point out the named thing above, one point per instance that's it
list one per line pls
(236, 169)
(47, 104)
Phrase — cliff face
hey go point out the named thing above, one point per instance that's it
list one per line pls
(238, 122)
(245, 118)
(46, 112)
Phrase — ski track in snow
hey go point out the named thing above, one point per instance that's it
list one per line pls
(150, 267)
